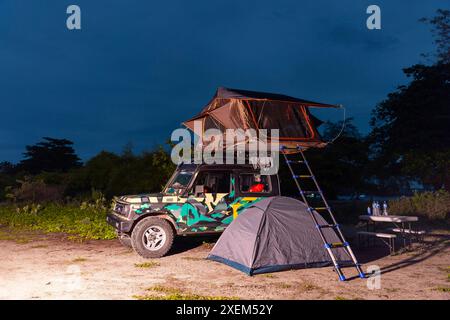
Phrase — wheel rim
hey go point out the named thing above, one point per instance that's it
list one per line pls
(154, 238)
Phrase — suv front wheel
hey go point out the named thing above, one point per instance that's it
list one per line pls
(152, 237)
(124, 239)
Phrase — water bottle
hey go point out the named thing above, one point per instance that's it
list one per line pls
(374, 208)
(369, 211)
(385, 208)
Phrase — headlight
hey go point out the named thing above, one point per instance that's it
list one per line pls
(122, 209)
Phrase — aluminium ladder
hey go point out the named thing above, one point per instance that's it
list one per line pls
(325, 208)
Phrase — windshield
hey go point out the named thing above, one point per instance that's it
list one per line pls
(179, 183)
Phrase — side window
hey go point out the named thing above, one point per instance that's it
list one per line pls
(254, 183)
(213, 181)
(222, 182)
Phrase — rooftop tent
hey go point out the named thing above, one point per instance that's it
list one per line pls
(234, 109)
(275, 234)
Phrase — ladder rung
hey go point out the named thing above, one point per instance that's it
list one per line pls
(302, 176)
(327, 226)
(282, 147)
(310, 192)
(320, 208)
(334, 245)
(296, 161)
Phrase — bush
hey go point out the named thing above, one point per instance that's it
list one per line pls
(86, 222)
(32, 190)
(431, 205)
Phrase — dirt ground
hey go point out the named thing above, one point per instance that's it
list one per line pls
(43, 266)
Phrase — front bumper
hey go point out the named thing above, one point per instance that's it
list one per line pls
(121, 224)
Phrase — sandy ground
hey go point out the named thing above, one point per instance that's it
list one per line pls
(37, 266)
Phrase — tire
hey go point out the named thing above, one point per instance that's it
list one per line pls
(124, 239)
(152, 237)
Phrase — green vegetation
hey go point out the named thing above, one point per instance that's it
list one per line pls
(447, 271)
(431, 205)
(208, 245)
(410, 127)
(39, 246)
(307, 286)
(193, 258)
(83, 223)
(12, 235)
(61, 177)
(443, 289)
(283, 285)
(150, 264)
(166, 293)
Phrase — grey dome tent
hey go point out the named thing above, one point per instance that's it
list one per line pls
(275, 234)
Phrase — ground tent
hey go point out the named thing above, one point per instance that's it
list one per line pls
(275, 234)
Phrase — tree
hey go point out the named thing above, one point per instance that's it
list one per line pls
(7, 167)
(440, 28)
(340, 167)
(410, 128)
(51, 155)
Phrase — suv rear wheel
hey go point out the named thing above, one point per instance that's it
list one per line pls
(152, 237)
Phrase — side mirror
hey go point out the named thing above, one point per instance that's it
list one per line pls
(199, 190)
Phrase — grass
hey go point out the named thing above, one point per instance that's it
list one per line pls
(447, 271)
(150, 264)
(340, 298)
(159, 292)
(307, 286)
(23, 241)
(79, 259)
(193, 259)
(38, 246)
(208, 245)
(283, 285)
(443, 289)
(14, 236)
(87, 223)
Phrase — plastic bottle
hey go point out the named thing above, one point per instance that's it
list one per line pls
(369, 211)
(374, 208)
(385, 206)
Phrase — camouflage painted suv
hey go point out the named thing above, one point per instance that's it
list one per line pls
(198, 199)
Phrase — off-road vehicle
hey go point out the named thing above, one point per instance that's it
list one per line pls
(198, 199)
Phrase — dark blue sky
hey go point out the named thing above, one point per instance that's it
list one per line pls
(137, 69)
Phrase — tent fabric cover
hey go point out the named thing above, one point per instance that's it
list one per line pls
(243, 109)
(228, 93)
(275, 234)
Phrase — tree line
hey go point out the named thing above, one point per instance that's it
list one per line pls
(51, 170)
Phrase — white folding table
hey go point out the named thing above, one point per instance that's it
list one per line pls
(398, 221)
